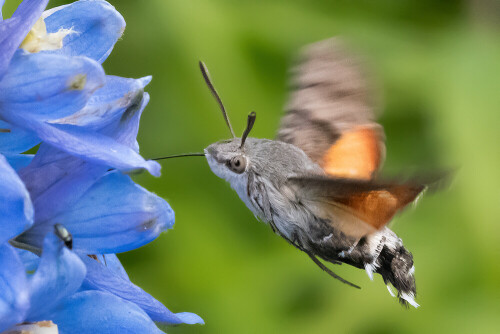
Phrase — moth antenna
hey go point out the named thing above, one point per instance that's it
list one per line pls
(250, 122)
(181, 155)
(206, 76)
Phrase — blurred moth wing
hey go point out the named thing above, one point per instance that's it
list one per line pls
(355, 207)
(330, 112)
(330, 116)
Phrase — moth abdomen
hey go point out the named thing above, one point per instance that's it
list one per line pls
(397, 268)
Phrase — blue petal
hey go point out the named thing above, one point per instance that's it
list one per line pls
(108, 103)
(65, 179)
(16, 140)
(1, 5)
(16, 210)
(14, 30)
(14, 301)
(91, 312)
(114, 215)
(46, 87)
(99, 277)
(29, 259)
(126, 131)
(60, 274)
(113, 263)
(19, 161)
(97, 26)
(114, 110)
(91, 146)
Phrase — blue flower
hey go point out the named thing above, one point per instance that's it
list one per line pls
(53, 90)
(113, 279)
(110, 213)
(53, 293)
(55, 76)
(15, 203)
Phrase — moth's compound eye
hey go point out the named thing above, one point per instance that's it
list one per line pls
(237, 164)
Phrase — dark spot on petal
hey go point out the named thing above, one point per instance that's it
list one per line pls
(77, 82)
(92, 256)
(148, 224)
(134, 106)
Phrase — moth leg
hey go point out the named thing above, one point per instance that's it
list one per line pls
(296, 242)
(273, 226)
(329, 272)
(343, 254)
(349, 251)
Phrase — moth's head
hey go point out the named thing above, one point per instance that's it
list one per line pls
(226, 157)
(229, 158)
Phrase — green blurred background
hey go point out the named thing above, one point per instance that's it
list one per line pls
(437, 66)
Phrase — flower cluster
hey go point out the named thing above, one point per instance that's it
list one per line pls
(66, 211)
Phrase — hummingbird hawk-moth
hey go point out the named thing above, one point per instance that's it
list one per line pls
(316, 183)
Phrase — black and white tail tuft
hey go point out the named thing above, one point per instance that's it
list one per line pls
(396, 267)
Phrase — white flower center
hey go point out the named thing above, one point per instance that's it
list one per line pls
(41, 327)
(39, 40)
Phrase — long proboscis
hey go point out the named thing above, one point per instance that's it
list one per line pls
(181, 156)
(206, 76)
(250, 122)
